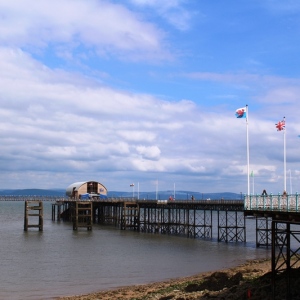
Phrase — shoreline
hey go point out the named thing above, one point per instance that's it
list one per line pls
(230, 283)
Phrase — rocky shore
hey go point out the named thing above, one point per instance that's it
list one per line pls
(251, 280)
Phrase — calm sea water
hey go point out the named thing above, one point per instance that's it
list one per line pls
(60, 261)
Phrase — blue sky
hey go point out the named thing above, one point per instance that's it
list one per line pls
(141, 91)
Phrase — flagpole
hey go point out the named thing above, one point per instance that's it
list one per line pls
(252, 183)
(284, 155)
(174, 191)
(291, 189)
(248, 160)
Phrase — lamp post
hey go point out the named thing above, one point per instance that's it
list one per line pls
(132, 184)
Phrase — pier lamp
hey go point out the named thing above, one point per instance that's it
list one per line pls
(132, 185)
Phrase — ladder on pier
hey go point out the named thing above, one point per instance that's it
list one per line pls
(33, 208)
(130, 216)
(82, 215)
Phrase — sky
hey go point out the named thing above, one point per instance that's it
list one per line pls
(145, 92)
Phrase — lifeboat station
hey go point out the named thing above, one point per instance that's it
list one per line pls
(86, 190)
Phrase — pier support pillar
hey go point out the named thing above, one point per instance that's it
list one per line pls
(130, 216)
(82, 214)
(33, 208)
(231, 226)
(285, 257)
(263, 231)
(200, 223)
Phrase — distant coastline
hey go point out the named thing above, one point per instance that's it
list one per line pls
(161, 195)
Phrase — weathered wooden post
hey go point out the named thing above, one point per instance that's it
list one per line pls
(30, 211)
(83, 215)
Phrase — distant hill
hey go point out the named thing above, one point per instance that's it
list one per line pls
(34, 192)
(161, 195)
(179, 195)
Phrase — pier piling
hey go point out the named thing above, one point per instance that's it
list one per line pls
(33, 209)
(130, 216)
(82, 213)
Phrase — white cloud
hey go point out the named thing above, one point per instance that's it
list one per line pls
(76, 26)
(152, 152)
(60, 122)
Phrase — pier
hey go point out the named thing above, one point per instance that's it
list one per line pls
(184, 218)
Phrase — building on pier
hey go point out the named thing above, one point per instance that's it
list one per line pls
(90, 189)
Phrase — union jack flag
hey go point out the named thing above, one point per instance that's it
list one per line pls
(280, 125)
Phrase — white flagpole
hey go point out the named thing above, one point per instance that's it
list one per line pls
(252, 183)
(174, 191)
(284, 155)
(248, 160)
(291, 189)
(138, 191)
(156, 188)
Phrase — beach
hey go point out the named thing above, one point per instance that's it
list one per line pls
(251, 280)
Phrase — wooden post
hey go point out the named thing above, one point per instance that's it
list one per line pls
(25, 216)
(31, 207)
(83, 215)
(53, 212)
(130, 216)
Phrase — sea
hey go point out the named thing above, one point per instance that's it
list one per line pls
(61, 262)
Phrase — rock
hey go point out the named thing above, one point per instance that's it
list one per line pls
(192, 288)
(166, 297)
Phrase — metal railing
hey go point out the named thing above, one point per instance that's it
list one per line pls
(31, 198)
(288, 203)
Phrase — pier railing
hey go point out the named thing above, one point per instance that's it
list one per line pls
(32, 198)
(113, 199)
(279, 202)
(287, 203)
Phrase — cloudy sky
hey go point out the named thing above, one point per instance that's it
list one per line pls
(145, 91)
